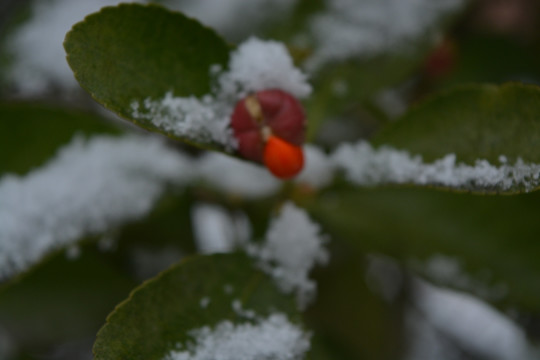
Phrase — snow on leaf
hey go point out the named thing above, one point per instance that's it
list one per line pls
(293, 245)
(364, 165)
(90, 186)
(273, 337)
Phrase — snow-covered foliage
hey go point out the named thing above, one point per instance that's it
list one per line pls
(292, 246)
(366, 28)
(274, 337)
(255, 65)
(89, 187)
(364, 165)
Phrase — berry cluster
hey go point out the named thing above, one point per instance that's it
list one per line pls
(270, 128)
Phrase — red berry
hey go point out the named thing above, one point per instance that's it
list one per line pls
(267, 112)
(282, 158)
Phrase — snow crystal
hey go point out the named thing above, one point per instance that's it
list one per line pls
(274, 337)
(318, 170)
(90, 186)
(218, 231)
(255, 65)
(36, 46)
(365, 28)
(205, 120)
(293, 245)
(365, 165)
(471, 324)
(235, 176)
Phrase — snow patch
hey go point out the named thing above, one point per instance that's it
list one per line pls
(471, 324)
(293, 245)
(318, 170)
(235, 176)
(89, 187)
(218, 231)
(274, 337)
(364, 165)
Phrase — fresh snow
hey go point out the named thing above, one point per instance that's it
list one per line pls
(236, 177)
(366, 28)
(218, 231)
(318, 171)
(271, 338)
(366, 166)
(89, 187)
(293, 245)
(255, 65)
(471, 324)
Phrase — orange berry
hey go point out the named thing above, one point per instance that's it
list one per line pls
(282, 158)
(272, 109)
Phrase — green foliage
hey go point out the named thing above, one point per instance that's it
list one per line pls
(499, 233)
(473, 122)
(159, 313)
(133, 52)
(34, 132)
(62, 299)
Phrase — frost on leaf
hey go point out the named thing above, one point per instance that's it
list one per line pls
(89, 187)
(362, 29)
(274, 337)
(293, 245)
(255, 65)
(364, 165)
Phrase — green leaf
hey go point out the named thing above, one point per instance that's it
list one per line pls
(493, 235)
(473, 122)
(349, 320)
(132, 52)
(33, 133)
(61, 299)
(158, 314)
